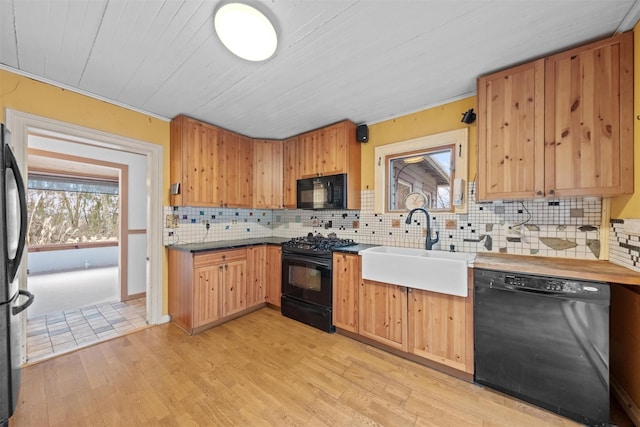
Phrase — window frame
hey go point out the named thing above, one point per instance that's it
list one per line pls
(459, 138)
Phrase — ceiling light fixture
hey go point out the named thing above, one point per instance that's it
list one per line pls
(246, 31)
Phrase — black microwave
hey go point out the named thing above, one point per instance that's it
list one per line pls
(322, 192)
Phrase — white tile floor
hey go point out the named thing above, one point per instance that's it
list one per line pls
(53, 334)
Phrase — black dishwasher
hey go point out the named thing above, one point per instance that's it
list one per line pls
(544, 340)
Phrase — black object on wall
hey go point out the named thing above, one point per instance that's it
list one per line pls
(468, 116)
(362, 133)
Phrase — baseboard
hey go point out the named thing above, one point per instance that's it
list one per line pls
(629, 406)
(164, 319)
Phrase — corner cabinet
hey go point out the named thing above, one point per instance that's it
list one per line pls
(208, 288)
(291, 172)
(267, 174)
(559, 126)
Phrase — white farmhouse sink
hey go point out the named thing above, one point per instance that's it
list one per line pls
(436, 271)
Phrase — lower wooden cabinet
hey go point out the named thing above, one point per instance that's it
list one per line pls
(207, 287)
(383, 313)
(439, 328)
(257, 275)
(430, 325)
(346, 285)
(206, 296)
(274, 275)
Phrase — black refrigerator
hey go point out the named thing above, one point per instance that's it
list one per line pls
(13, 301)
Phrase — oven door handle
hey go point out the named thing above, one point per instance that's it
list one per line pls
(326, 263)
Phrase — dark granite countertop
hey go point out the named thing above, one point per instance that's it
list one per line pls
(227, 244)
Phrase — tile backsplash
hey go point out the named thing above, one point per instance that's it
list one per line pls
(624, 249)
(567, 228)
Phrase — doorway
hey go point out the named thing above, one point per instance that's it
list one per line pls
(23, 124)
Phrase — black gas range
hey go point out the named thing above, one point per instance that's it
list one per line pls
(307, 279)
(316, 245)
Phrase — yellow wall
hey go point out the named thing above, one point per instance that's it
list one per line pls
(30, 96)
(629, 206)
(434, 120)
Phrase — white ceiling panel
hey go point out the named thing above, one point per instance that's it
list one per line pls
(366, 60)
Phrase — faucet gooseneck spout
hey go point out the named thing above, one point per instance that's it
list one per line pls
(429, 242)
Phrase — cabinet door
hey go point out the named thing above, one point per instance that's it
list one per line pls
(274, 274)
(346, 285)
(267, 174)
(207, 293)
(235, 286)
(383, 313)
(332, 150)
(511, 133)
(309, 154)
(291, 172)
(438, 328)
(201, 171)
(257, 275)
(589, 119)
(237, 170)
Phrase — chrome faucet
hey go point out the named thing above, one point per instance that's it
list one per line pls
(428, 245)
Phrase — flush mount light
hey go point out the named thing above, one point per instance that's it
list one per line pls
(245, 31)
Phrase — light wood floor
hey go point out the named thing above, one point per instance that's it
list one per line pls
(261, 369)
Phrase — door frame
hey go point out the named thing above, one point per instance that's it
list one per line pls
(21, 124)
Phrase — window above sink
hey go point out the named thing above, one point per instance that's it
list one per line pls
(427, 170)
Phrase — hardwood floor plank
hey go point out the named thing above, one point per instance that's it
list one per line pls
(260, 369)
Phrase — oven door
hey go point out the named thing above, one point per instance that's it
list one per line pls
(307, 278)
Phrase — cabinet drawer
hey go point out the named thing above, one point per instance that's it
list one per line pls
(217, 257)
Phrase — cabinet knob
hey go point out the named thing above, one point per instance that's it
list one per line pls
(538, 193)
(552, 191)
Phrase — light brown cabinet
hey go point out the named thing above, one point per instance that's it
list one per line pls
(206, 287)
(267, 174)
(383, 313)
(329, 151)
(195, 151)
(213, 166)
(430, 325)
(206, 298)
(440, 328)
(233, 277)
(346, 285)
(291, 171)
(257, 275)
(274, 275)
(237, 170)
(559, 126)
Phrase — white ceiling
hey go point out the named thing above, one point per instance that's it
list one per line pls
(363, 60)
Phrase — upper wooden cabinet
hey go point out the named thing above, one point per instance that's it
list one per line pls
(559, 126)
(213, 166)
(291, 171)
(511, 133)
(195, 162)
(331, 150)
(237, 171)
(267, 174)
